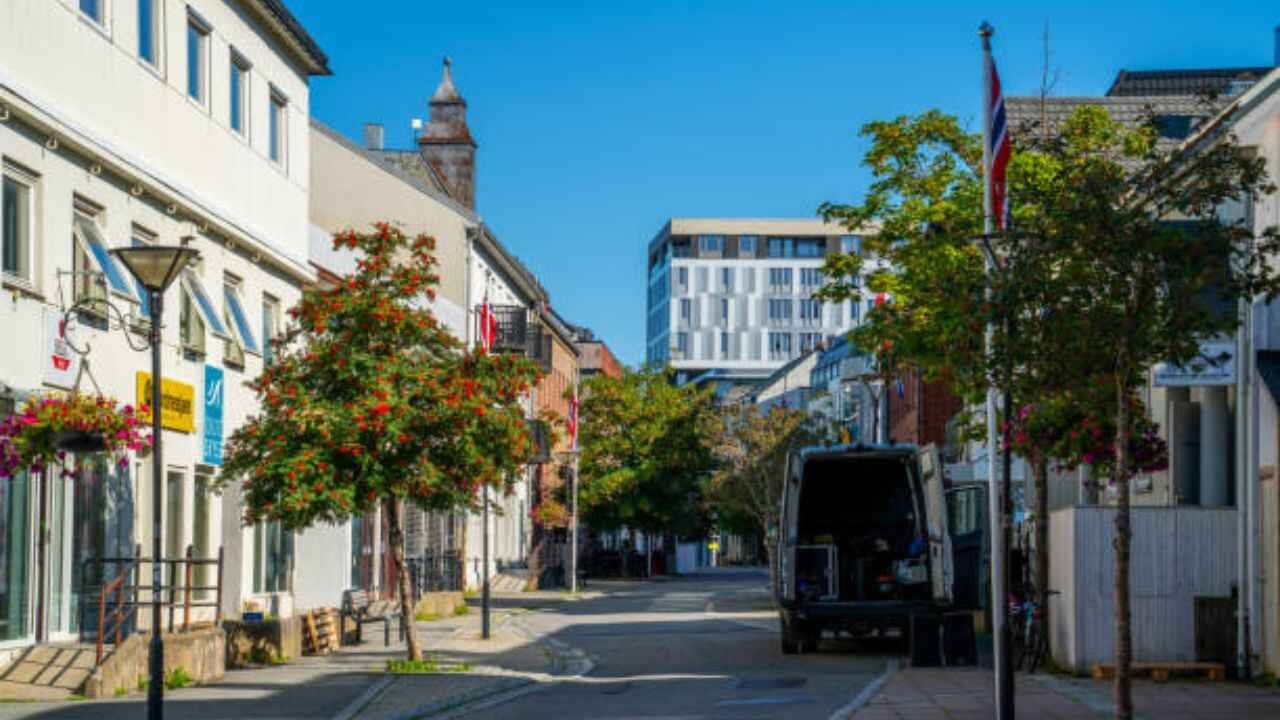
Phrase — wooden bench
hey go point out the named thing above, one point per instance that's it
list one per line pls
(363, 609)
(1160, 672)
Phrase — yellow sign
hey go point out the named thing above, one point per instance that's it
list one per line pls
(177, 402)
(713, 546)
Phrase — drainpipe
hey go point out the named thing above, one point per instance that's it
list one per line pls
(1254, 507)
(1242, 492)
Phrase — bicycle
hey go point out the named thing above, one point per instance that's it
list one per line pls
(1031, 638)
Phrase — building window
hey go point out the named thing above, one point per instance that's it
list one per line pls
(270, 328)
(809, 248)
(197, 58)
(686, 311)
(17, 238)
(94, 269)
(726, 279)
(141, 238)
(747, 244)
(779, 346)
(780, 280)
(710, 244)
(809, 341)
(724, 345)
(680, 248)
(198, 315)
(272, 557)
(682, 345)
(148, 24)
(682, 278)
(92, 9)
(16, 576)
(853, 311)
(278, 128)
(782, 247)
(724, 311)
(779, 312)
(810, 277)
(239, 88)
(811, 312)
(239, 335)
(201, 537)
(850, 243)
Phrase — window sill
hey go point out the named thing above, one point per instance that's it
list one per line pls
(20, 286)
(193, 353)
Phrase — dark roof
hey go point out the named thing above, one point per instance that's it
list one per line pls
(1131, 83)
(1177, 116)
(316, 59)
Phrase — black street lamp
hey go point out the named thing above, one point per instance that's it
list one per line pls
(155, 267)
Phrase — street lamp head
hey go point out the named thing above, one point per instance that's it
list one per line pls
(156, 266)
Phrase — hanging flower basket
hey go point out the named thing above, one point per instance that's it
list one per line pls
(48, 428)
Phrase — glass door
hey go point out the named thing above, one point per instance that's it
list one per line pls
(16, 559)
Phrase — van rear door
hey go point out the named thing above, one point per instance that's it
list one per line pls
(941, 571)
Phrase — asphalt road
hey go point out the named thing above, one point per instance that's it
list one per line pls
(704, 647)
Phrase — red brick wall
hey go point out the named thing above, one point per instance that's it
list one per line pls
(920, 415)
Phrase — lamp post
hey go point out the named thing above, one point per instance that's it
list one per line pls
(155, 267)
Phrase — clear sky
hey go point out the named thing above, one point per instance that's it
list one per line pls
(597, 121)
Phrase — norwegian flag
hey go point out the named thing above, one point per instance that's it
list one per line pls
(998, 147)
(572, 421)
(488, 327)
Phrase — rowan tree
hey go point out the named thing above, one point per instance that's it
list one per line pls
(372, 402)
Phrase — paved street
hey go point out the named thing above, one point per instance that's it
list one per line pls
(704, 647)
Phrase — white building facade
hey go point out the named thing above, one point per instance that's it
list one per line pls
(124, 123)
(732, 299)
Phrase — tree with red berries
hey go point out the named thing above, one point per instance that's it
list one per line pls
(372, 402)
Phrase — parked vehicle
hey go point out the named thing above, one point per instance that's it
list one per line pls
(864, 542)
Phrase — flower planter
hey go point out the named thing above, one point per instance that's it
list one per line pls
(80, 442)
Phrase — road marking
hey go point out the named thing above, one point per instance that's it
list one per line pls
(867, 693)
(369, 695)
(782, 700)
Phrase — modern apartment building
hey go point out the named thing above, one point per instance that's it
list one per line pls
(730, 301)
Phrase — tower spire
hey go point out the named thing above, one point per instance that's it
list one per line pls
(446, 143)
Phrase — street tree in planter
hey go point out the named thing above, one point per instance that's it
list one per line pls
(372, 402)
(750, 447)
(642, 455)
(1147, 240)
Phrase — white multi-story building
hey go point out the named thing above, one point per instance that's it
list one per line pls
(128, 122)
(730, 301)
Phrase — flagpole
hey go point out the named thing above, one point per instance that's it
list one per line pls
(995, 492)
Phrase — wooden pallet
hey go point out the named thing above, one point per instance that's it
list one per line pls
(321, 636)
(1160, 672)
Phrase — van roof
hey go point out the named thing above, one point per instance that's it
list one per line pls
(821, 451)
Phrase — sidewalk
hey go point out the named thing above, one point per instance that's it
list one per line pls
(353, 682)
(955, 694)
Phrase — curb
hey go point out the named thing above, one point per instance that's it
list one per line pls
(867, 693)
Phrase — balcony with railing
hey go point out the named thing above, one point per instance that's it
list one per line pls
(519, 331)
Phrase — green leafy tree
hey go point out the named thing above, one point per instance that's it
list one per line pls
(642, 456)
(1146, 240)
(372, 402)
(750, 446)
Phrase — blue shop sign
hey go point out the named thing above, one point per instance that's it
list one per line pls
(212, 415)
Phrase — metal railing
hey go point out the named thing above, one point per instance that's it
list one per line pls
(120, 598)
(435, 573)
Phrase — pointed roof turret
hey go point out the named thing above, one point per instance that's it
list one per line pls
(446, 92)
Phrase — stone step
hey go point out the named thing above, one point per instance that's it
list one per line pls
(52, 666)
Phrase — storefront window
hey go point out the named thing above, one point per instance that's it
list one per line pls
(15, 556)
(273, 557)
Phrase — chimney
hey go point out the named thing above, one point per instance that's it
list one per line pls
(374, 136)
(446, 143)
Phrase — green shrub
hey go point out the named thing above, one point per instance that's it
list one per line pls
(178, 678)
(122, 691)
(462, 609)
(424, 616)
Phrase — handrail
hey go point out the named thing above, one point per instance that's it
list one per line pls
(125, 592)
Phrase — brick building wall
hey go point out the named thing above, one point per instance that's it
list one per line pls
(920, 414)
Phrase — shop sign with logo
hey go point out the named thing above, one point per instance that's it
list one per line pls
(1215, 365)
(61, 363)
(177, 402)
(212, 431)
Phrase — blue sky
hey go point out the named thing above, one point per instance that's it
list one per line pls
(597, 121)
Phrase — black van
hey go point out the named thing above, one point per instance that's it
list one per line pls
(863, 541)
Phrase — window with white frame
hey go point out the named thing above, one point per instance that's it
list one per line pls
(850, 243)
(747, 245)
(810, 312)
(682, 345)
(270, 328)
(239, 334)
(95, 271)
(809, 341)
(710, 244)
(198, 315)
(780, 280)
(811, 277)
(278, 128)
(141, 237)
(779, 312)
(149, 25)
(17, 231)
(686, 311)
(197, 58)
(94, 10)
(682, 278)
(726, 279)
(724, 311)
(779, 346)
(239, 94)
(272, 558)
(724, 345)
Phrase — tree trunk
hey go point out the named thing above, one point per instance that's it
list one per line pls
(1120, 475)
(771, 555)
(395, 535)
(1041, 470)
(537, 539)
